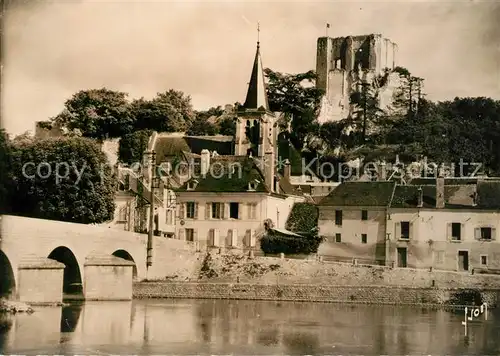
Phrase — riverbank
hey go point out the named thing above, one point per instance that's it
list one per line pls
(10, 306)
(237, 276)
(319, 293)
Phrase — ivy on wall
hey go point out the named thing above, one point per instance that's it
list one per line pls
(303, 218)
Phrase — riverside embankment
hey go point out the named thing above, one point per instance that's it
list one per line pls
(265, 278)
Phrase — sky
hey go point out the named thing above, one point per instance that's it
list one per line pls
(52, 49)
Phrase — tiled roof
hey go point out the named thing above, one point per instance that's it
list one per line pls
(360, 194)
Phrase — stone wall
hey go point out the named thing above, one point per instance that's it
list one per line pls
(270, 270)
(315, 293)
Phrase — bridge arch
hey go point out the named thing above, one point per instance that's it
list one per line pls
(72, 276)
(126, 256)
(7, 279)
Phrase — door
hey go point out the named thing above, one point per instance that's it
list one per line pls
(463, 260)
(402, 255)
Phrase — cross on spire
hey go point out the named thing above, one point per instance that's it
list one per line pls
(258, 33)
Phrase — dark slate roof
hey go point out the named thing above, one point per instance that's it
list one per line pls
(488, 195)
(222, 180)
(360, 194)
(172, 146)
(223, 145)
(447, 181)
(287, 151)
(406, 196)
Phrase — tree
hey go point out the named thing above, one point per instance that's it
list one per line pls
(201, 127)
(227, 126)
(5, 169)
(132, 146)
(408, 95)
(96, 113)
(297, 97)
(65, 179)
(367, 112)
(170, 111)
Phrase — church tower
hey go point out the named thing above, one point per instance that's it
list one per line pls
(256, 125)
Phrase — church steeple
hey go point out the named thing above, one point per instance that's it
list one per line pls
(256, 94)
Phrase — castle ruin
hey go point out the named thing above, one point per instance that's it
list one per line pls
(342, 63)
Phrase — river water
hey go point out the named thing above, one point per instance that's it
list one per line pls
(194, 327)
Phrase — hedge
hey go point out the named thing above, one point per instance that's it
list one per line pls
(274, 244)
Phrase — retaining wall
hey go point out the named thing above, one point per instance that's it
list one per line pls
(317, 293)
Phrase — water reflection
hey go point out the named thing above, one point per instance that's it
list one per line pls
(243, 327)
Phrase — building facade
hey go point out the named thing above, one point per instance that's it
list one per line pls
(446, 224)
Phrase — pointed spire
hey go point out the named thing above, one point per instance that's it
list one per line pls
(256, 94)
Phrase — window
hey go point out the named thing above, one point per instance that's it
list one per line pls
(192, 184)
(338, 238)
(364, 238)
(439, 257)
(484, 260)
(217, 210)
(253, 185)
(405, 229)
(190, 210)
(189, 234)
(170, 217)
(456, 231)
(486, 233)
(338, 217)
(252, 211)
(364, 214)
(234, 210)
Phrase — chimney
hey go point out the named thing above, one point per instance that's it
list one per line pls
(440, 189)
(205, 162)
(420, 197)
(383, 172)
(269, 169)
(474, 196)
(287, 170)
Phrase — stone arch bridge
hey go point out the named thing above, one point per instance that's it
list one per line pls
(42, 260)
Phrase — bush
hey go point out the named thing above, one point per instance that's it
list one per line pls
(274, 244)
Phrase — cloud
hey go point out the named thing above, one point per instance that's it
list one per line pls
(205, 49)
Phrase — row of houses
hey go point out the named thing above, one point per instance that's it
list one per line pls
(443, 223)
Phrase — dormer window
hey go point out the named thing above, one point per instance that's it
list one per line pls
(191, 185)
(252, 186)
